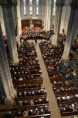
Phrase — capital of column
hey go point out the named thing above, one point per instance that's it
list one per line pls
(60, 3)
(8, 3)
(74, 4)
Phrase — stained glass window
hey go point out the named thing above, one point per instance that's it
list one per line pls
(30, 7)
(54, 8)
(37, 7)
(24, 2)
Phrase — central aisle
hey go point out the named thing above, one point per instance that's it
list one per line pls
(55, 113)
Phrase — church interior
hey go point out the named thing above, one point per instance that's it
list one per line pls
(38, 58)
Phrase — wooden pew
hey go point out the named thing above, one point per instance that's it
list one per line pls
(29, 89)
(28, 81)
(56, 79)
(29, 98)
(36, 116)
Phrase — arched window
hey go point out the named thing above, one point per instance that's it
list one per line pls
(24, 3)
(37, 7)
(30, 4)
(54, 8)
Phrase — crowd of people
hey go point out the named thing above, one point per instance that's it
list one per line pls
(63, 76)
(31, 100)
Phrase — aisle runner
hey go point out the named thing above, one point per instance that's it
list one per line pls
(55, 113)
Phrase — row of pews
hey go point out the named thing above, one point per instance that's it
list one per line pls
(65, 88)
(67, 97)
(31, 100)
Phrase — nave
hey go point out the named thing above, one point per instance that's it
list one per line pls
(38, 59)
(40, 80)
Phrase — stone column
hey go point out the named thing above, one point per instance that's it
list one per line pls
(6, 84)
(52, 17)
(65, 16)
(47, 5)
(22, 8)
(59, 4)
(34, 8)
(27, 8)
(19, 27)
(42, 10)
(75, 35)
(41, 15)
(72, 27)
(2, 22)
(53, 39)
(10, 30)
(49, 14)
(14, 10)
(44, 4)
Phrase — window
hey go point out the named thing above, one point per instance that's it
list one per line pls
(54, 8)
(24, 2)
(37, 7)
(36, 10)
(30, 7)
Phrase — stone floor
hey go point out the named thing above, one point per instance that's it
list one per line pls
(55, 113)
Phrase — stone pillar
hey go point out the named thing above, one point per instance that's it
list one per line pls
(42, 10)
(22, 8)
(59, 4)
(49, 14)
(2, 22)
(10, 30)
(19, 27)
(6, 84)
(41, 15)
(44, 4)
(34, 8)
(75, 35)
(45, 15)
(53, 39)
(65, 16)
(27, 8)
(72, 27)
(14, 10)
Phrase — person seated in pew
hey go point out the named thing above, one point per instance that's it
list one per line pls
(32, 102)
(27, 71)
(18, 113)
(31, 112)
(10, 115)
(34, 92)
(25, 113)
(36, 111)
(20, 79)
(69, 107)
(40, 110)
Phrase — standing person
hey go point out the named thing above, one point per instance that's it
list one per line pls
(35, 38)
(36, 41)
